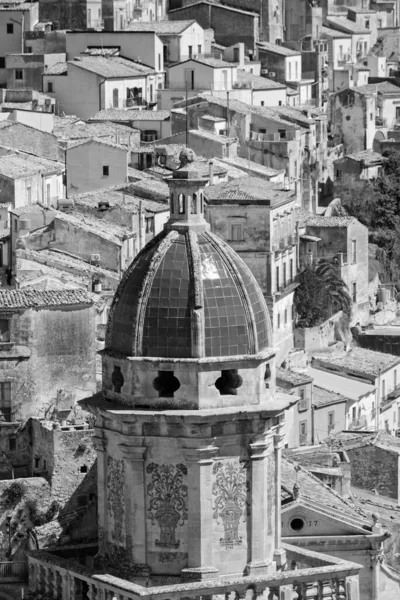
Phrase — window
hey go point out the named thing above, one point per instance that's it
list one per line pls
(291, 270)
(181, 204)
(277, 279)
(338, 174)
(159, 62)
(284, 274)
(44, 464)
(387, 427)
(262, 102)
(193, 204)
(279, 321)
(367, 23)
(48, 193)
(19, 74)
(106, 171)
(237, 232)
(149, 224)
(331, 421)
(4, 330)
(29, 195)
(10, 28)
(285, 320)
(5, 401)
(395, 379)
(282, 133)
(12, 444)
(280, 103)
(383, 388)
(50, 87)
(190, 51)
(354, 291)
(2, 62)
(353, 413)
(371, 116)
(115, 98)
(303, 433)
(37, 462)
(354, 251)
(84, 469)
(199, 48)
(290, 70)
(303, 402)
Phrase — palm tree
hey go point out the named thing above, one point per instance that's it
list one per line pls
(335, 288)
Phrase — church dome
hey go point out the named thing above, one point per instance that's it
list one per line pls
(186, 295)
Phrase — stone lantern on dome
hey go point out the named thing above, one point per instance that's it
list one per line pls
(188, 420)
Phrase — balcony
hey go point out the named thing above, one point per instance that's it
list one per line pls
(360, 423)
(380, 122)
(315, 577)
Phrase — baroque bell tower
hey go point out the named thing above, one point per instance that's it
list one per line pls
(188, 427)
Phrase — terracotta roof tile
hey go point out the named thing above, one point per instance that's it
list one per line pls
(161, 27)
(115, 114)
(293, 377)
(30, 298)
(322, 397)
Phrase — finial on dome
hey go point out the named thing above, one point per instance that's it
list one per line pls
(186, 156)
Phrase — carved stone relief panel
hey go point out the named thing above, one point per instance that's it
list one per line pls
(116, 499)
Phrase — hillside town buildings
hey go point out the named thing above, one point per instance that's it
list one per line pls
(174, 195)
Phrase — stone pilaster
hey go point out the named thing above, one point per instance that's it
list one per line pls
(279, 553)
(199, 463)
(259, 560)
(136, 503)
(100, 443)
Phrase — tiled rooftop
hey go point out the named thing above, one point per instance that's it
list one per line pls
(117, 198)
(103, 141)
(316, 493)
(282, 50)
(358, 362)
(293, 377)
(258, 83)
(328, 31)
(30, 298)
(344, 24)
(80, 130)
(249, 165)
(110, 231)
(353, 440)
(115, 114)
(321, 221)
(16, 166)
(368, 157)
(113, 66)
(322, 397)
(215, 63)
(60, 68)
(221, 6)
(384, 87)
(252, 190)
(161, 27)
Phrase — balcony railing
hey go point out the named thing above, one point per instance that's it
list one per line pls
(303, 439)
(315, 577)
(13, 572)
(359, 423)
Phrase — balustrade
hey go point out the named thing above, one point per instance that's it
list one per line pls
(326, 578)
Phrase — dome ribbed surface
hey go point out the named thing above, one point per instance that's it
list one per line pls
(188, 295)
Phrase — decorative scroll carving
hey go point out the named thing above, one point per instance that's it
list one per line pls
(167, 493)
(116, 496)
(230, 491)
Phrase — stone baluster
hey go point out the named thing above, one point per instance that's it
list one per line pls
(91, 593)
(64, 585)
(32, 576)
(57, 589)
(340, 589)
(72, 588)
(47, 583)
(310, 591)
(100, 444)
(326, 590)
(39, 578)
(273, 593)
(295, 593)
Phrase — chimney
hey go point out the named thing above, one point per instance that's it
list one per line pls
(211, 172)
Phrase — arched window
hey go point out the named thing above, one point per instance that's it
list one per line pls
(193, 204)
(115, 98)
(172, 204)
(181, 204)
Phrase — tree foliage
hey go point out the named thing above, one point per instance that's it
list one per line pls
(320, 294)
(376, 204)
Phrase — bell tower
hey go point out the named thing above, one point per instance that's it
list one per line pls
(188, 421)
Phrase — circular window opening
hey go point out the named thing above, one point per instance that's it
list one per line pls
(297, 524)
